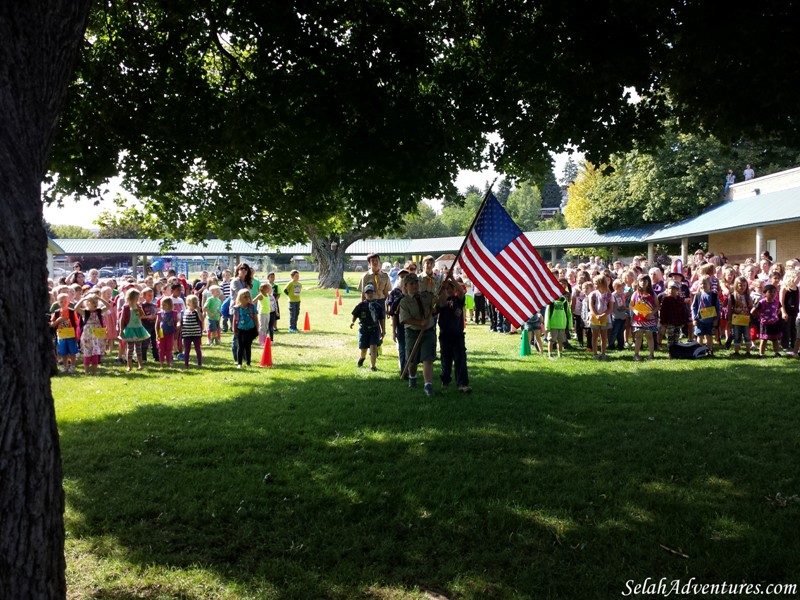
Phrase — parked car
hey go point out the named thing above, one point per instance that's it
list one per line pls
(59, 272)
(106, 272)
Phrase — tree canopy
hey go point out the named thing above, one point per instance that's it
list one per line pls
(260, 120)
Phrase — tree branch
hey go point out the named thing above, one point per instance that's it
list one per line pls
(218, 43)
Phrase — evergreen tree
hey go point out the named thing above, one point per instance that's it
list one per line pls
(551, 193)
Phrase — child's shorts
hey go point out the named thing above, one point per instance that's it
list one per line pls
(368, 336)
(67, 347)
(213, 326)
(557, 335)
(704, 328)
(427, 347)
(741, 333)
(534, 323)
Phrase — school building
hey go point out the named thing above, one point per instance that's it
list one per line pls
(760, 214)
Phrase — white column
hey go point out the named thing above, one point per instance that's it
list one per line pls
(553, 255)
(684, 249)
(614, 253)
(759, 242)
(651, 253)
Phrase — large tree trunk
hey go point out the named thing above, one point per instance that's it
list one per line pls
(38, 44)
(330, 262)
(329, 252)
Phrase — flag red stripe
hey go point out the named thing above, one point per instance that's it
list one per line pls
(511, 296)
(543, 283)
(527, 278)
(485, 278)
(496, 295)
(518, 249)
(545, 275)
(524, 285)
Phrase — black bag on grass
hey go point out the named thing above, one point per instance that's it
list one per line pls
(688, 350)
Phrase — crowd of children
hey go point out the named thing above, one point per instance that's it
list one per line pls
(746, 307)
(749, 308)
(165, 316)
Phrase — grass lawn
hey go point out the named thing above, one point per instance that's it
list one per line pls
(316, 479)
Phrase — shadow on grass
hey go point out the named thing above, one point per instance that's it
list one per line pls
(559, 486)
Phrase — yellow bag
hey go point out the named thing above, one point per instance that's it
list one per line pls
(99, 332)
(741, 320)
(710, 312)
(600, 321)
(642, 309)
(159, 333)
(66, 333)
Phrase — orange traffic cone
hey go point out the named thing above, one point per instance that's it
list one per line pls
(335, 307)
(340, 300)
(337, 293)
(307, 324)
(266, 354)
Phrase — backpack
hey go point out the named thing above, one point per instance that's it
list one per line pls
(688, 350)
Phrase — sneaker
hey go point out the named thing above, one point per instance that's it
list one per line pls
(465, 388)
(360, 362)
(429, 389)
(412, 382)
(373, 369)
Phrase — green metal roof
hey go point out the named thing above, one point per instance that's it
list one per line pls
(153, 247)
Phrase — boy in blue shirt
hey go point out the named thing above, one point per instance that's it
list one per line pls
(371, 316)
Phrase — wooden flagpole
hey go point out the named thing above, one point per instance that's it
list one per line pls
(450, 272)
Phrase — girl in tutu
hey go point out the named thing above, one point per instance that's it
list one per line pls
(133, 333)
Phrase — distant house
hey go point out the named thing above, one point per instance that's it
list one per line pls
(548, 213)
(444, 262)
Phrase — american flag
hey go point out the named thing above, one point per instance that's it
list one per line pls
(503, 264)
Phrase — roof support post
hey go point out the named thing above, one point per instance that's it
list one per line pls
(759, 242)
(684, 249)
(554, 255)
(614, 253)
(134, 264)
(651, 253)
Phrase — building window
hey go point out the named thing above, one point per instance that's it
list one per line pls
(772, 248)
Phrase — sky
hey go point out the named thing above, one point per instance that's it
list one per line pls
(84, 212)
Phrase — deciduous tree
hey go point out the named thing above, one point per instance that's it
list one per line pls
(524, 204)
(38, 45)
(260, 119)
